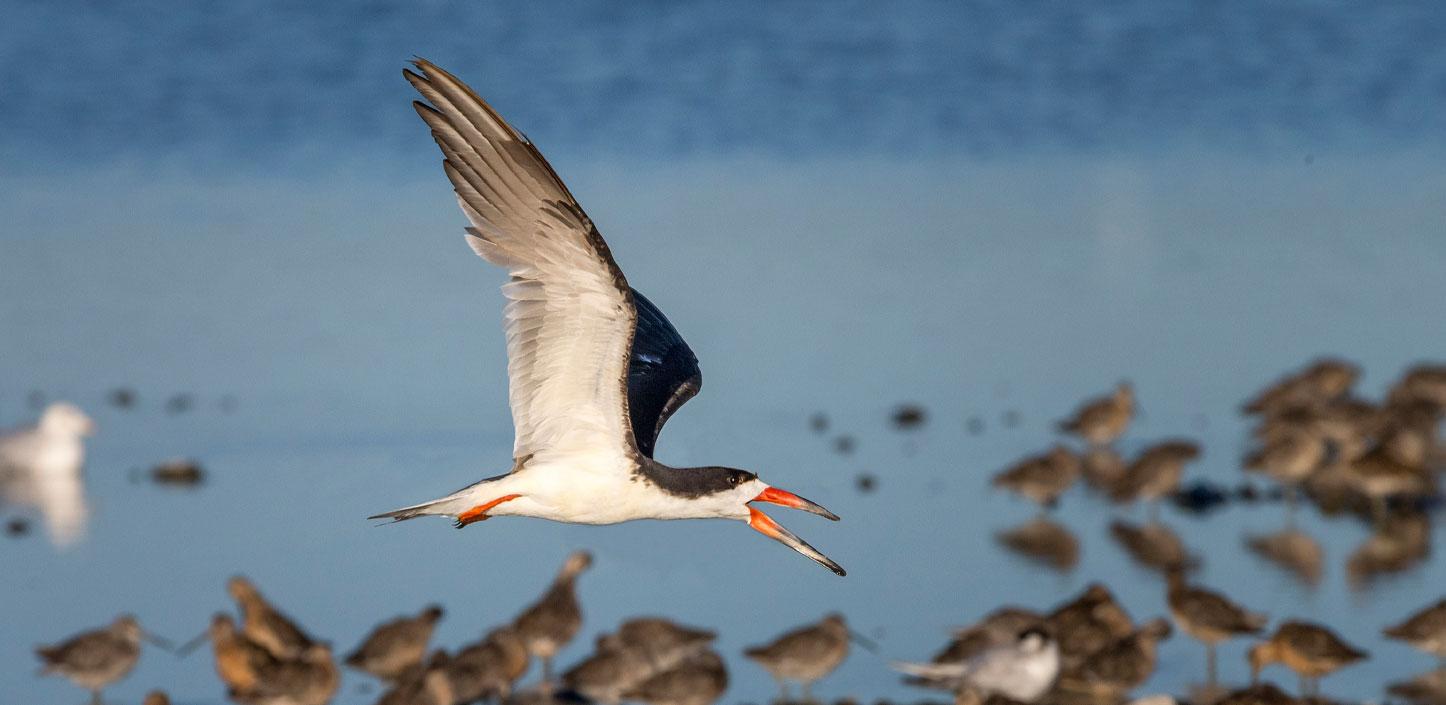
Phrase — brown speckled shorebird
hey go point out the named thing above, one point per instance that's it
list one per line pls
(1156, 473)
(423, 684)
(604, 676)
(1424, 382)
(551, 622)
(663, 642)
(1041, 478)
(1087, 624)
(238, 659)
(310, 679)
(489, 667)
(264, 624)
(1293, 550)
(393, 648)
(1289, 458)
(1312, 651)
(95, 659)
(1119, 667)
(1100, 421)
(1103, 468)
(1425, 630)
(699, 680)
(1153, 546)
(1379, 475)
(1321, 381)
(1209, 617)
(806, 654)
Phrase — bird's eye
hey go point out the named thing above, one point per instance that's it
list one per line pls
(732, 479)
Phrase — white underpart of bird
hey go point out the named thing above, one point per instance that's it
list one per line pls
(586, 409)
(40, 466)
(1022, 670)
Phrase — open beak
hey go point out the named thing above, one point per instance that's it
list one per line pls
(784, 498)
(761, 523)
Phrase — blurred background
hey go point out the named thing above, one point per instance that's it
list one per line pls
(227, 238)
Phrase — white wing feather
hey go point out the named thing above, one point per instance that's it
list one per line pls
(569, 314)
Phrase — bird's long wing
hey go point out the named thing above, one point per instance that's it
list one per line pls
(663, 374)
(569, 314)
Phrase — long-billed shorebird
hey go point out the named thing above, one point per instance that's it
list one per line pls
(594, 368)
(806, 654)
(95, 659)
(1042, 478)
(1311, 650)
(394, 648)
(1156, 473)
(489, 667)
(551, 622)
(1100, 421)
(266, 625)
(1208, 616)
(1425, 630)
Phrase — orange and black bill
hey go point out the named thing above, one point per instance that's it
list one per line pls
(784, 498)
(770, 528)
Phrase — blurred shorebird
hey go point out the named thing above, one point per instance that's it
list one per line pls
(1209, 617)
(309, 679)
(1292, 549)
(489, 667)
(698, 680)
(1155, 474)
(41, 466)
(55, 441)
(423, 684)
(1425, 630)
(95, 659)
(1041, 478)
(594, 368)
(1119, 667)
(1320, 382)
(641, 648)
(1088, 623)
(394, 648)
(265, 625)
(1312, 651)
(1100, 421)
(238, 659)
(551, 622)
(806, 654)
(999, 628)
(1023, 669)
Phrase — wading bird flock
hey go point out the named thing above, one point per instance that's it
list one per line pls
(595, 371)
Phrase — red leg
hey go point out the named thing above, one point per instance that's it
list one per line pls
(479, 512)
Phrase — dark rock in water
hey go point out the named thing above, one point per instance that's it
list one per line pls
(180, 403)
(17, 527)
(1200, 497)
(844, 444)
(974, 425)
(909, 416)
(1011, 419)
(818, 422)
(122, 397)
(866, 482)
(178, 473)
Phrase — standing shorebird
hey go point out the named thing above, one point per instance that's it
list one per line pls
(264, 624)
(1209, 617)
(392, 649)
(1041, 478)
(95, 659)
(1312, 651)
(310, 679)
(1320, 382)
(699, 680)
(1425, 630)
(1100, 421)
(805, 654)
(238, 659)
(1088, 623)
(1023, 669)
(1155, 474)
(594, 368)
(489, 667)
(551, 622)
(1119, 667)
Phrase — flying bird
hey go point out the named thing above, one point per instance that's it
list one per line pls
(594, 368)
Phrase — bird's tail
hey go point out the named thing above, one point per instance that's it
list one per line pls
(449, 506)
(932, 671)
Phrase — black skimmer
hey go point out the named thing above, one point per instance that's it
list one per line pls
(1425, 630)
(1100, 421)
(805, 654)
(1311, 650)
(551, 622)
(1209, 617)
(594, 368)
(265, 625)
(488, 668)
(394, 648)
(95, 659)
(1022, 669)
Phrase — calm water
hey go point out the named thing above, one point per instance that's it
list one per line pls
(977, 210)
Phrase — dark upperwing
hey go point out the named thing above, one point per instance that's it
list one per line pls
(663, 374)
